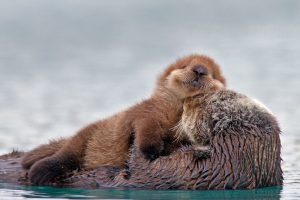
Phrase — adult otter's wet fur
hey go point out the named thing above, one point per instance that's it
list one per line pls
(106, 142)
(241, 161)
(223, 112)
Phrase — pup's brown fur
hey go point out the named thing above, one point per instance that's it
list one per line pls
(106, 142)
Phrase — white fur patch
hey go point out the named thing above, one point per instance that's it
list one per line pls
(254, 102)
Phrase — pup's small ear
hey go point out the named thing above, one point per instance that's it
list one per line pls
(222, 80)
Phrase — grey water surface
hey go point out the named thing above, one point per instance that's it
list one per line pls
(66, 63)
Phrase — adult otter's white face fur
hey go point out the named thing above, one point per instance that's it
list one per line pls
(193, 75)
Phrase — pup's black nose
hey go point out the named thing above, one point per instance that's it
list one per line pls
(200, 70)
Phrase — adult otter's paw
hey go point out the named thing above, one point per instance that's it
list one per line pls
(152, 150)
(202, 152)
(45, 171)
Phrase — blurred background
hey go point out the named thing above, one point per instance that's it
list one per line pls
(65, 63)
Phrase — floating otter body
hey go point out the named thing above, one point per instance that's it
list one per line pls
(107, 142)
(245, 152)
(237, 161)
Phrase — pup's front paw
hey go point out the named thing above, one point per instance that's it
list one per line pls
(45, 171)
(151, 151)
(202, 152)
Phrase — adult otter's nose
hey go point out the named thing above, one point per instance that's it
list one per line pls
(200, 70)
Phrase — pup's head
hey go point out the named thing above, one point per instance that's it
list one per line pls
(192, 75)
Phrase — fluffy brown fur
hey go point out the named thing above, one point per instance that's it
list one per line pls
(107, 142)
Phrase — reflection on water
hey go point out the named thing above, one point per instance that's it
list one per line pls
(272, 193)
(64, 64)
(291, 167)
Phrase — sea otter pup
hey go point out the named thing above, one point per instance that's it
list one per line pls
(223, 112)
(106, 142)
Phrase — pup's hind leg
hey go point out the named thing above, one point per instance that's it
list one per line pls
(41, 152)
(67, 159)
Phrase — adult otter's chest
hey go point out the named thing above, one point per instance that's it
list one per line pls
(192, 120)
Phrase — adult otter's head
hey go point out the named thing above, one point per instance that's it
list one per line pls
(192, 75)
